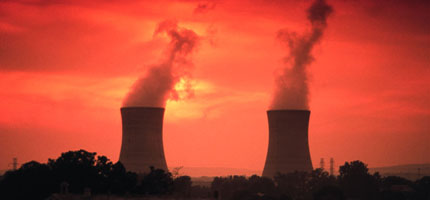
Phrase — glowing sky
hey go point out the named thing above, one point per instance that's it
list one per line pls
(65, 67)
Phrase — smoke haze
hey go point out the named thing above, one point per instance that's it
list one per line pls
(292, 90)
(158, 84)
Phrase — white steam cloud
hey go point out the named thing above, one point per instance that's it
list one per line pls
(158, 85)
(292, 91)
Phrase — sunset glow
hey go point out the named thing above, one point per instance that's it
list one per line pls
(67, 66)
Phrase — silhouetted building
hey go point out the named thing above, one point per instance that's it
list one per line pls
(288, 142)
(142, 139)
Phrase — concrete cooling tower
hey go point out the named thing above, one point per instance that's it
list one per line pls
(142, 139)
(288, 142)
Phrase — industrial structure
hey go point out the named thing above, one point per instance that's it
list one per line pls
(331, 166)
(142, 139)
(288, 142)
(322, 164)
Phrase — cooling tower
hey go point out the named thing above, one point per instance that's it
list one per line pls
(142, 139)
(288, 142)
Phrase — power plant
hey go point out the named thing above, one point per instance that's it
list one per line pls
(288, 142)
(142, 139)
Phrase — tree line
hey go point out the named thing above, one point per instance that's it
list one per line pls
(353, 182)
(79, 171)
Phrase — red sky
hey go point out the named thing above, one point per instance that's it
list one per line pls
(65, 67)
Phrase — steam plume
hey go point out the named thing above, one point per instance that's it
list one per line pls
(292, 84)
(158, 85)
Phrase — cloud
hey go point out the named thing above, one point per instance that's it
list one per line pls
(204, 7)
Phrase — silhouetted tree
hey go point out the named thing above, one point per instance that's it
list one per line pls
(391, 181)
(227, 186)
(396, 188)
(329, 192)
(293, 185)
(356, 181)
(319, 179)
(119, 180)
(262, 185)
(198, 191)
(422, 187)
(241, 188)
(176, 172)
(79, 169)
(157, 182)
(182, 186)
(256, 188)
(353, 182)
(31, 181)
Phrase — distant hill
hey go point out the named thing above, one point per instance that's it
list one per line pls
(409, 171)
(216, 171)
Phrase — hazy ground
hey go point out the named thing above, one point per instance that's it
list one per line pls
(411, 171)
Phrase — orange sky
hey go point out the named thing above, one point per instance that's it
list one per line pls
(65, 67)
